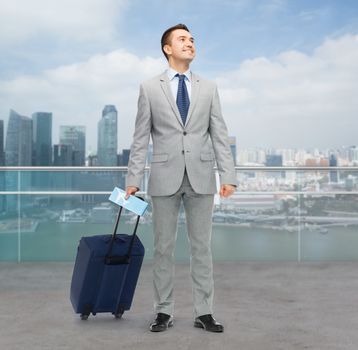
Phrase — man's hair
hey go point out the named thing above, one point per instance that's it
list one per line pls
(166, 36)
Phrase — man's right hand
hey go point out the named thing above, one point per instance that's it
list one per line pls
(131, 190)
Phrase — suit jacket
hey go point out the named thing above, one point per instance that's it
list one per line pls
(194, 146)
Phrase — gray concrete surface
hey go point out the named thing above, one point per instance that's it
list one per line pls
(262, 305)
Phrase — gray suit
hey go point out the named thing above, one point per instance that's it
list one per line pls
(181, 170)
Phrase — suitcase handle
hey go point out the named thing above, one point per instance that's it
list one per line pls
(117, 260)
(112, 260)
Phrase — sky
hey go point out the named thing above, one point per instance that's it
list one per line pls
(286, 70)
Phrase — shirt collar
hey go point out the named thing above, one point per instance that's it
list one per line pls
(172, 73)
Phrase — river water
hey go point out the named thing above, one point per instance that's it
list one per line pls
(53, 241)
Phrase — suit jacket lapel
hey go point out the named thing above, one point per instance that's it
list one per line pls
(195, 87)
(164, 82)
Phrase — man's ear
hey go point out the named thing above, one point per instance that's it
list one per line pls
(167, 49)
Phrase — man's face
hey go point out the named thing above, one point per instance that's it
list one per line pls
(181, 47)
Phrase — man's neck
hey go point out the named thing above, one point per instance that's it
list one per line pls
(180, 67)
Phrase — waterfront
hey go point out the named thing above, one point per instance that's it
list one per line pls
(53, 241)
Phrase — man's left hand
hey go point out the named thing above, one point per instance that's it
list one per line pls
(227, 190)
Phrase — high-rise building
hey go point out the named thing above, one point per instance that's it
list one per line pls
(2, 154)
(353, 154)
(42, 138)
(18, 152)
(261, 156)
(41, 148)
(300, 157)
(107, 137)
(18, 147)
(2, 163)
(273, 160)
(148, 162)
(75, 135)
(149, 155)
(232, 143)
(92, 159)
(62, 155)
(333, 175)
(250, 157)
(123, 159)
(288, 156)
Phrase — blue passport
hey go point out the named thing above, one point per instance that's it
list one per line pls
(132, 204)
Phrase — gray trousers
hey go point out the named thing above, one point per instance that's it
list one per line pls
(198, 212)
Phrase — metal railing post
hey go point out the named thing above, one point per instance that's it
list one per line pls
(19, 217)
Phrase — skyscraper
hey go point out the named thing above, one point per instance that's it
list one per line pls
(123, 159)
(42, 138)
(62, 155)
(2, 154)
(232, 143)
(18, 147)
(18, 152)
(107, 137)
(353, 154)
(274, 160)
(333, 175)
(2, 163)
(75, 135)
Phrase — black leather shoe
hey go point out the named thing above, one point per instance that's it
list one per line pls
(209, 323)
(161, 323)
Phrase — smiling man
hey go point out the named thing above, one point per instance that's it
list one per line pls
(181, 111)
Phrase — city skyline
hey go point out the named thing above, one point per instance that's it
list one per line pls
(285, 70)
(28, 142)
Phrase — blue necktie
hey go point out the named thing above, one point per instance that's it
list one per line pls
(182, 98)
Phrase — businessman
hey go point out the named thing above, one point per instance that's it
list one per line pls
(181, 112)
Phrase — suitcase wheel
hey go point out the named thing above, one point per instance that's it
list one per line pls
(84, 317)
(119, 313)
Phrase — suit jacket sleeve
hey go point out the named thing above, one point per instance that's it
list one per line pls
(220, 140)
(140, 142)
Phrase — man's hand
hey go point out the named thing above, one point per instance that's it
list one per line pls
(131, 190)
(227, 190)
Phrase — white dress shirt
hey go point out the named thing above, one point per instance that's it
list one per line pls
(175, 80)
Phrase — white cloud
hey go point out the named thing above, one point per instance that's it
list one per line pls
(292, 100)
(77, 93)
(72, 20)
(295, 99)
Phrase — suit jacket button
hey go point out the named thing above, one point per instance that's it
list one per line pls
(184, 133)
(182, 151)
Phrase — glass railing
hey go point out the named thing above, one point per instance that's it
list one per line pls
(277, 213)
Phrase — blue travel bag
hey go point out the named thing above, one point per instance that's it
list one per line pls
(106, 272)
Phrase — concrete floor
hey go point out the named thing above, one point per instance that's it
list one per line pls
(262, 305)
